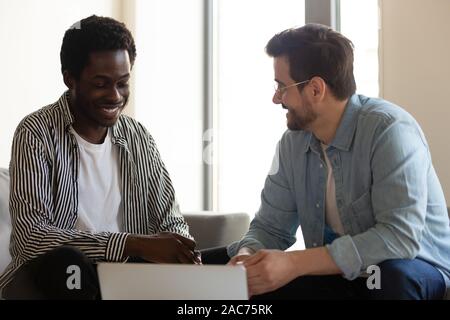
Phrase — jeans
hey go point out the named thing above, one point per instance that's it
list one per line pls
(401, 279)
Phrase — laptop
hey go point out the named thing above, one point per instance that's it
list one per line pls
(148, 281)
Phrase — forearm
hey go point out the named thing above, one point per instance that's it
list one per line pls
(99, 246)
(316, 261)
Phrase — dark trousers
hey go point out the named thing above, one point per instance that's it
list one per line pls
(50, 276)
(400, 279)
(53, 276)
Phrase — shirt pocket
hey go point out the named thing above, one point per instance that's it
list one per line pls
(363, 212)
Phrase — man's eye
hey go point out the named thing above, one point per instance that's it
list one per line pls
(99, 85)
(123, 85)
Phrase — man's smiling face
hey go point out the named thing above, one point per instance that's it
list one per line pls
(300, 113)
(101, 92)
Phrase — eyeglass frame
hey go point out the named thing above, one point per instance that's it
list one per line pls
(282, 90)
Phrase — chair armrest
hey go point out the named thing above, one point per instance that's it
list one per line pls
(213, 229)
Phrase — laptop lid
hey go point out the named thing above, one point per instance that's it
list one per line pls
(147, 281)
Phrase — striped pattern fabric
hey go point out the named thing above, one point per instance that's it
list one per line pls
(44, 189)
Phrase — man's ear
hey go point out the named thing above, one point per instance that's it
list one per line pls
(69, 80)
(318, 87)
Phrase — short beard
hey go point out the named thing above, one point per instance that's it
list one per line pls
(302, 122)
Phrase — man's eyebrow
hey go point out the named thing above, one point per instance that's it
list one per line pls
(101, 76)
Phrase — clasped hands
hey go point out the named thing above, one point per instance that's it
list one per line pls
(267, 270)
(163, 247)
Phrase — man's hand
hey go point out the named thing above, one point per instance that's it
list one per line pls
(164, 247)
(268, 270)
(243, 254)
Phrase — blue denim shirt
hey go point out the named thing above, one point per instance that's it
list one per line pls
(388, 196)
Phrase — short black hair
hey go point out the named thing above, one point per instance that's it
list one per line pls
(317, 50)
(93, 34)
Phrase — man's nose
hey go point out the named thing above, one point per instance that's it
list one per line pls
(114, 95)
(276, 98)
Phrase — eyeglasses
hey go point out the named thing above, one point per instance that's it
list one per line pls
(280, 89)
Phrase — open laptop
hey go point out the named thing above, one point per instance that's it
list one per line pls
(147, 281)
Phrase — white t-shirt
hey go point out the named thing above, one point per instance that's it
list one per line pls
(331, 211)
(99, 196)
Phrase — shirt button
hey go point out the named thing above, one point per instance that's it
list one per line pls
(314, 244)
(317, 205)
(321, 166)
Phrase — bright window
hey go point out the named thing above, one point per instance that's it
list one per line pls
(168, 96)
(249, 124)
(359, 23)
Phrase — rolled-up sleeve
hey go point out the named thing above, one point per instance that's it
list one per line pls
(400, 162)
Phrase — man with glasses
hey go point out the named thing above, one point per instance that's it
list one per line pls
(356, 174)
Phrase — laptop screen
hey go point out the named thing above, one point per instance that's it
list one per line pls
(147, 281)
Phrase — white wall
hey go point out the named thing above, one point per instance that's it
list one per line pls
(415, 70)
(31, 34)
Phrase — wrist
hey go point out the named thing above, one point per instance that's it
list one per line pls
(132, 246)
(245, 251)
(296, 263)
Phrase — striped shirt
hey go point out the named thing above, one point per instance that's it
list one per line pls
(44, 189)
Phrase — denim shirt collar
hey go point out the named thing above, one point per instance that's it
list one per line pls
(345, 132)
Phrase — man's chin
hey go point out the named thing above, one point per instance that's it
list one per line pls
(293, 126)
(296, 124)
(108, 122)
